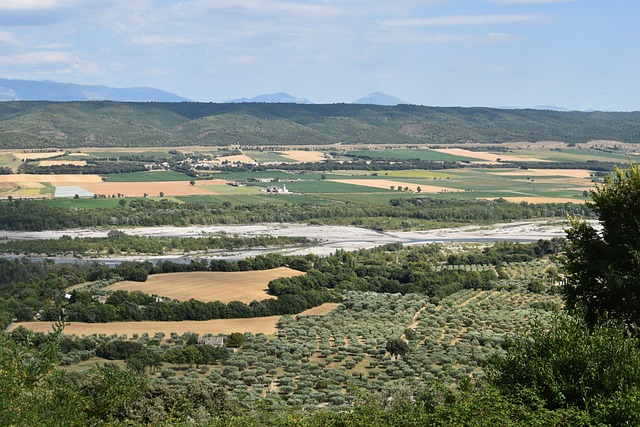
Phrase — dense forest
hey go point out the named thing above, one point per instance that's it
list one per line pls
(40, 124)
(421, 212)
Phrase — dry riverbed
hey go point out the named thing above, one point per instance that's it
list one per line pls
(330, 238)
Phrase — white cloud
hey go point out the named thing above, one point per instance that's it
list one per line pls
(441, 21)
(36, 58)
(7, 38)
(161, 39)
(25, 5)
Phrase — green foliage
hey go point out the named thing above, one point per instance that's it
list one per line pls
(604, 266)
(397, 347)
(566, 365)
(235, 340)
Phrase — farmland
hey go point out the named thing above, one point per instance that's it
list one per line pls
(359, 315)
(244, 286)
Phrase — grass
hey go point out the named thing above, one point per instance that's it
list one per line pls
(8, 160)
(579, 155)
(372, 198)
(199, 199)
(243, 176)
(322, 186)
(405, 154)
(156, 176)
(148, 154)
(89, 203)
(268, 157)
(230, 189)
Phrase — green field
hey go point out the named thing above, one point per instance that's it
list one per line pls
(229, 189)
(8, 160)
(568, 154)
(88, 203)
(324, 187)
(405, 154)
(275, 174)
(268, 157)
(151, 176)
(120, 154)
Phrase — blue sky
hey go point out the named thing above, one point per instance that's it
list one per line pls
(577, 54)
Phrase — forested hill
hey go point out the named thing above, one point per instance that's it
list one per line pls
(42, 124)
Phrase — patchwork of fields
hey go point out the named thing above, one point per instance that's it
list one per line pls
(516, 185)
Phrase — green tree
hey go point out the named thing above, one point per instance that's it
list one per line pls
(604, 266)
(397, 347)
(569, 366)
(235, 339)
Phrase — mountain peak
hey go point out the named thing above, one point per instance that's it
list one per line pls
(379, 98)
(35, 90)
(280, 97)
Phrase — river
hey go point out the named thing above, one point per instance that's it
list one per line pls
(330, 238)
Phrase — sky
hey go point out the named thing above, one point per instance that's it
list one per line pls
(574, 54)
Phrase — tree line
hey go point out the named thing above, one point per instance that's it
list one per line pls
(121, 243)
(23, 215)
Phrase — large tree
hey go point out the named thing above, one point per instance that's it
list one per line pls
(604, 264)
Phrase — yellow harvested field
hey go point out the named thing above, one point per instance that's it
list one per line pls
(54, 179)
(239, 158)
(63, 162)
(320, 310)
(386, 183)
(256, 325)
(32, 156)
(304, 156)
(571, 173)
(490, 157)
(138, 189)
(27, 184)
(244, 286)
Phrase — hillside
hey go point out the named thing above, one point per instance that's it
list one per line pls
(13, 90)
(40, 124)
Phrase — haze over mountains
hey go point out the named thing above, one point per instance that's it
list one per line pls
(31, 90)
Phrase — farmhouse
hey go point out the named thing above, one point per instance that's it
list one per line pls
(273, 189)
(212, 341)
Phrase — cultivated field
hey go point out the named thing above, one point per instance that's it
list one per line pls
(138, 189)
(304, 156)
(387, 184)
(256, 325)
(265, 325)
(54, 179)
(487, 156)
(238, 158)
(244, 286)
(35, 156)
(63, 162)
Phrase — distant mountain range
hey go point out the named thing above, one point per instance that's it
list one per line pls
(273, 98)
(379, 98)
(375, 98)
(31, 90)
